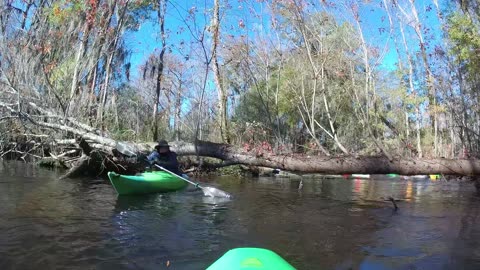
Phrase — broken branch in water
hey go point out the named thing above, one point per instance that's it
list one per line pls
(391, 199)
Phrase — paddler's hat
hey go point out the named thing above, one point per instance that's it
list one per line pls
(162, 144)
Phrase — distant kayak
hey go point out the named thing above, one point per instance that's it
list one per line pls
(250, 258)
(415, 177)
(419, 176)
(148, 182)
(365, 176)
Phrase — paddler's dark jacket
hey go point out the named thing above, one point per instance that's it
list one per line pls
(167, 160)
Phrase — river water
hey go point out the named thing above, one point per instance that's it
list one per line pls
(48, 223)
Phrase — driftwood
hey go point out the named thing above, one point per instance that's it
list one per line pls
(80, 168)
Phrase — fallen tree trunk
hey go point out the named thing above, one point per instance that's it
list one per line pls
(322, 164)
(327, 165)
(105, 152)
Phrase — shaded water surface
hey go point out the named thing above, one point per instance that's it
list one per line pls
(330, 224)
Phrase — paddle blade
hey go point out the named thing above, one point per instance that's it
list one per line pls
(215, 192)
(126, 149)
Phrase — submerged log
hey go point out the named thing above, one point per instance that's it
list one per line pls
(58, 161)
(80, 168)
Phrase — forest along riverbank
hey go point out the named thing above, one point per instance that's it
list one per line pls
(328, 224)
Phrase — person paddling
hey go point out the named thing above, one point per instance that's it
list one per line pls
(162, 156)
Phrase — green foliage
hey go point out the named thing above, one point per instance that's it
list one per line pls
(60, 76)
(62, 11)
(251, 107)
(465, 38)
(139, 12)
(232, 170)
(288, 100)
(134, 116)
(268, 109)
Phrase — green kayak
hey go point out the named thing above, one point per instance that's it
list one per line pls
(250, 258)
(147, 182)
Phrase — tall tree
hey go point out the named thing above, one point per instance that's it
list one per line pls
(221, 89)
(162, 7)
(416, 24)
(111, 52)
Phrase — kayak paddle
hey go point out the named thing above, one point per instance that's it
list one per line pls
(207, 191)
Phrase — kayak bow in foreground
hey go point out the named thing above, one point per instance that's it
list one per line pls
(250, 258)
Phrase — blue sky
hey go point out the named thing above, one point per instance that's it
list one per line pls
(144, 41)
(373, 18)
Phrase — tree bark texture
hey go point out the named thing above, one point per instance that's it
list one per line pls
(222, 95)
(158, 89)
(323, 164)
